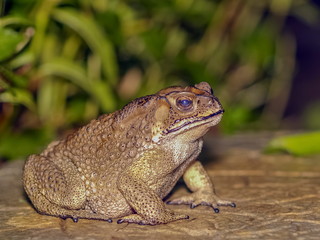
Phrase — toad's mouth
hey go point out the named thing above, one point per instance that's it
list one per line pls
(193, 122)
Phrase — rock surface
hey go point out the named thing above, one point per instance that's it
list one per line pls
(277, 196)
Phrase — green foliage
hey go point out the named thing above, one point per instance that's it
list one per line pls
(298, 144)
(9, 41)
(14, 146)
(63, 62)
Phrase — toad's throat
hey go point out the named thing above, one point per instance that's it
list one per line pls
(194, 121)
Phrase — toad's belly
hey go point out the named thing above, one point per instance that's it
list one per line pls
(163, 186)
(184, 159)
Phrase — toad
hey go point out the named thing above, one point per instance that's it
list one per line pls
(123, 164)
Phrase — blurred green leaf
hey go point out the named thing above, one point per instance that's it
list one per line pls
(101, 91)
(20, 145)
(52, 97)
(299, 144)
(15, 21)
(3, 85)
(66, 69)
(18, 96)
(11, 79)
(91, 32)
(9, 43)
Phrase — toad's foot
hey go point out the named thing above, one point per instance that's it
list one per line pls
(168, 216)
(202, 198)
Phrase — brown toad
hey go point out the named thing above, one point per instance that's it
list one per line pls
(123, 164)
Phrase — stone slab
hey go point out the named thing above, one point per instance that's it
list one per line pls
(277, 197)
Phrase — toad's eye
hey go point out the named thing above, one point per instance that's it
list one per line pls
(184, 103)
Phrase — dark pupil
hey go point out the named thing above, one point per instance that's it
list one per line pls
(185, 102)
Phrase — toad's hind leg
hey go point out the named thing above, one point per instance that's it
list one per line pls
(53, 187)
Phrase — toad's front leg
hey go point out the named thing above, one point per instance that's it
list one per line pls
(198, 181)
(148, 206)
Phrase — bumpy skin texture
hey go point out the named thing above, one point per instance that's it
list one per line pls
(123, 164)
